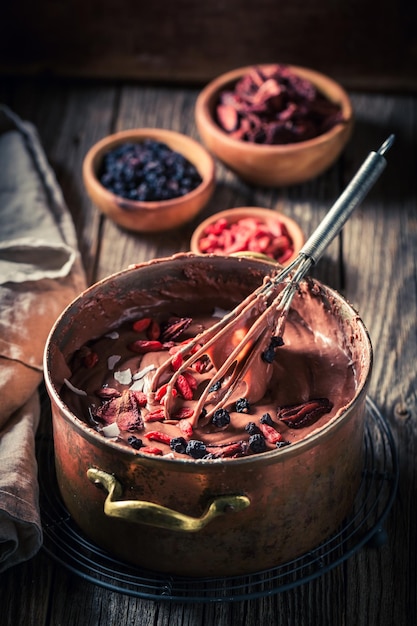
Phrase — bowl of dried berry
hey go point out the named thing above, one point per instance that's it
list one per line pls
(149, 179)
(249, 231)
(275, 124)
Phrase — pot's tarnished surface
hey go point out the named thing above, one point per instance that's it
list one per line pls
(290, 499)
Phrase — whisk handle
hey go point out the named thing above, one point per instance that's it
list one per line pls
(344, 206)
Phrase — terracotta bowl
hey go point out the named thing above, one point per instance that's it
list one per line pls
(274, 165)
(150, 215)
(268, 217)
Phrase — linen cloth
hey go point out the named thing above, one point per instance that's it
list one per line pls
(40, 273)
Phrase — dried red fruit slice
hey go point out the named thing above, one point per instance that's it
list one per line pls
(156, 435)
(90, 359)
(142, 324)
(304, 414)
(270, 434)
(275, 106)
(156, 415)
(142, 346)
(107, 393)
(152, 450)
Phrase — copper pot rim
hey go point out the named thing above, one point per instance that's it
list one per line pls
(316, 437)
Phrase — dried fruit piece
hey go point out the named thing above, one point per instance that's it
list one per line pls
(257, 443)
(274, 105)
(178, 444)
(242, 405)
(196, 448)
(248, 234)
(106, 393)
(153, 331)
(270, 434)
(304, 414)
(221, 418)
(140, 397)
(90, 359)
(135, 442)
(142, 346)
(156, 435)
(142, 324)
(183, 387)
(156, 415)
(174, 328)
(236, 449)
(186, 428)
(152, 450)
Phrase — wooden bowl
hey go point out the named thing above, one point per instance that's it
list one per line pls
(274, 165)
(265, 216)
(150, 216)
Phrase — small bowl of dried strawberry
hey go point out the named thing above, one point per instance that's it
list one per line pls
(274, 125)
(249, 231)
(149, 179)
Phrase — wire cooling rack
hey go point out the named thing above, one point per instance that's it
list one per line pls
(66, 544)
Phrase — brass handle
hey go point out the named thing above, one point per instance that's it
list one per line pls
(156, 515)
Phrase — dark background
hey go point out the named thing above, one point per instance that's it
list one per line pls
(365, 44)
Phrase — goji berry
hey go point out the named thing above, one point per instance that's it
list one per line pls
(186, 428)
(191, 380)
(142, 346)
(142, 324)
(153, 331)
(161, 393)
(152, 450)
(156, 435)
(156, 415)
(176, 361)
(184, 388)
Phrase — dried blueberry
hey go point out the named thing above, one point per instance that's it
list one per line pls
(257, 443)
(242, 405)
(252, 428)
(148, 171)
(266, 419)
(268, 355)
(282, 444)
(221, 417)
(178, 444)
(135, 442)
(196, 448)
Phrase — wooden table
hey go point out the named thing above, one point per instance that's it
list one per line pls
(373, 265)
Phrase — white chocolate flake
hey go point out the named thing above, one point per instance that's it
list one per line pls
(124, 377)
(112, 430)
(113, 360)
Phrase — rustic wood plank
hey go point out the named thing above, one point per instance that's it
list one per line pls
(375, 587)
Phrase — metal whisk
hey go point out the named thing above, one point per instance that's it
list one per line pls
(254, 329)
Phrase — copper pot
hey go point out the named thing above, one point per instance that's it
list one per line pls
(201, 518)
